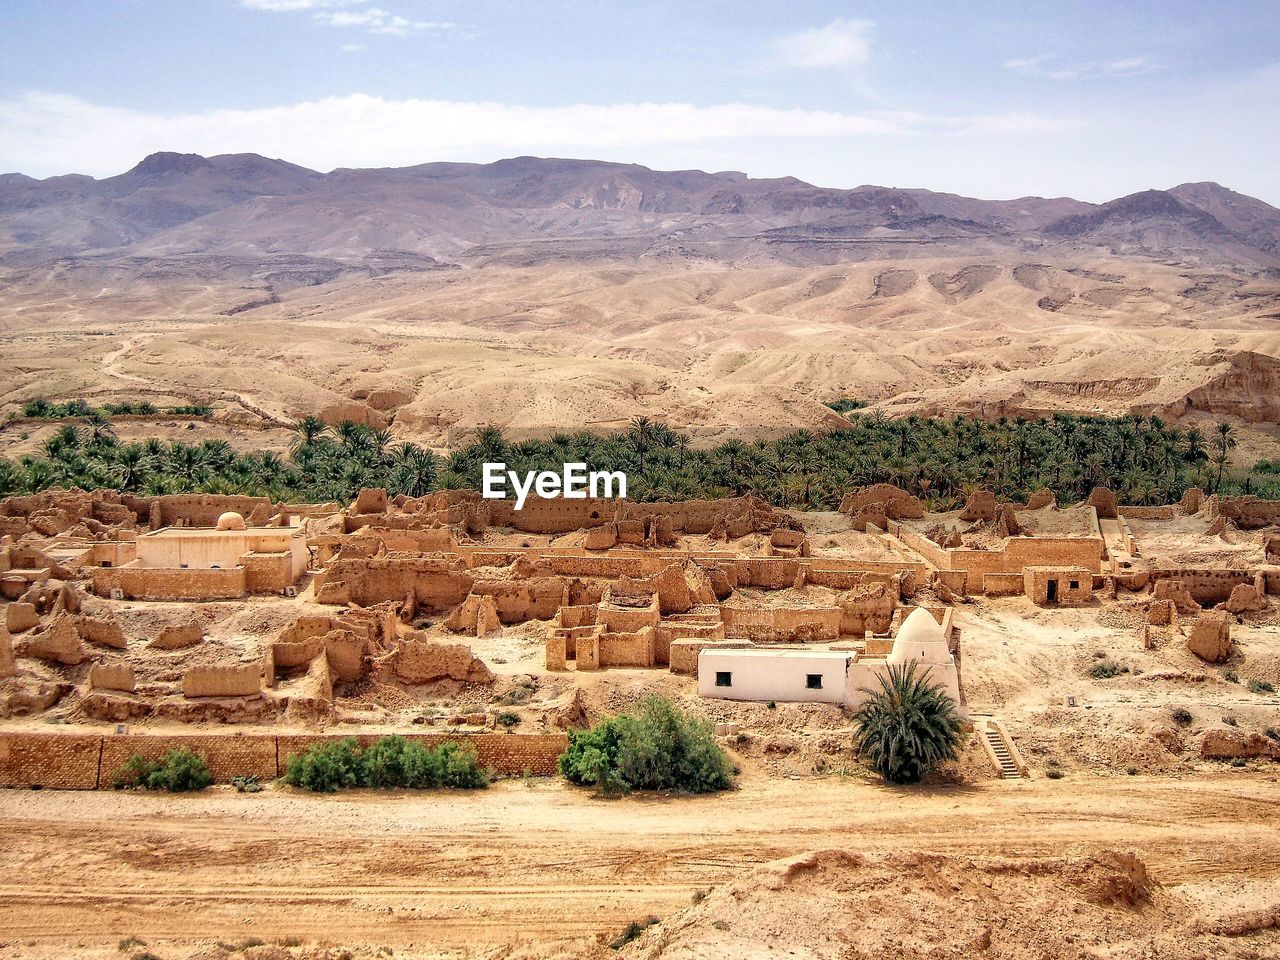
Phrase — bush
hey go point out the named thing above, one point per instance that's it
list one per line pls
(907, 727)
(656, 748)
(326, 767)
(1231, 676)
(178, 771)
(1182, 716)
(632, 931)
(1230, 721)
(391, 762)
(247, 784)
(1273, 733)
(1239, 762)
(508, 719)
(1261, 686)
(1106, 669)
(1053, 773)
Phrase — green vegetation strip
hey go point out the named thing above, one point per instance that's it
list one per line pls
(1143, 459)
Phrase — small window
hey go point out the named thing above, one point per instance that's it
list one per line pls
(813, 681)
(106, 563)
(1075, 584)
(724, 678)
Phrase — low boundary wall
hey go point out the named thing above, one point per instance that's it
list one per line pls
(80, 761)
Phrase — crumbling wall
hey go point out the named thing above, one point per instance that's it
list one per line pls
(780, 624)
(416, 661)
(1247, 512)
(436, 583)
(241, 680)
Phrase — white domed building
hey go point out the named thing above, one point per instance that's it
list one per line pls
(831, 673)
(921, 640)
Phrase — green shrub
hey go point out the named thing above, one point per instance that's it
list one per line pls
(1132, 771)
(1054, 773)
(247, 784)
(908, 727)
(1239, 762)
(508, 719)
(656, 748)
(389, 763)
(326, 767)
(1106, 669)
(632, 931)
(178, 771)
(1182, 716)
(1231, 676)
(1261, 686)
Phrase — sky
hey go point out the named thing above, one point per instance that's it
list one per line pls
(996, 100)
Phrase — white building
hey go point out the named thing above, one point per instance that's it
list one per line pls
(804, 674)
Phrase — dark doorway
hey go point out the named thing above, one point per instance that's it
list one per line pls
(1053, 591)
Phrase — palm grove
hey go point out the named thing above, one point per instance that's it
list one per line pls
(1145, 460)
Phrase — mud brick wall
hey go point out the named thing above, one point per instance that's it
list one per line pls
(1146, 513)
(60, 761)
(155, 583)
(267, 572)
(780, 625)
(227, 756)
(71, 761)
(1002, 584)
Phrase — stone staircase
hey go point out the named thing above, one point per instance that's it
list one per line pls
(1004, 760)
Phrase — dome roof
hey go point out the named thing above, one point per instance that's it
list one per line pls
(920, 638)
(231, 521)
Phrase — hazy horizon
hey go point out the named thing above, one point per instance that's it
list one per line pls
(989, 101)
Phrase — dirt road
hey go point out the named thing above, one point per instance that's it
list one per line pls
(543, 862)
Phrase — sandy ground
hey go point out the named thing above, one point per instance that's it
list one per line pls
(716, 351)
(456, 875)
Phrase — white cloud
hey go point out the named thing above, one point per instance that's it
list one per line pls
(841, 44)
(369, 19)
(289, 6)
(44, 134)
(376, 20)
(1052, 66)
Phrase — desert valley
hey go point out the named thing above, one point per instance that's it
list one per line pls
(1027, 449)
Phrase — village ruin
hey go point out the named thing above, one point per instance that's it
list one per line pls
(355, 613)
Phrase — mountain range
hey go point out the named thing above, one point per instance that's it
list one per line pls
(526, 210)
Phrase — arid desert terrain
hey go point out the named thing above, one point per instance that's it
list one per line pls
(1115, 789)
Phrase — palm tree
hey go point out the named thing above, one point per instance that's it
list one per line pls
(308, 430)
(907, 727)
(1226, 441)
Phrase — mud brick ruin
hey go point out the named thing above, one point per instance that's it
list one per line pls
(115, 607)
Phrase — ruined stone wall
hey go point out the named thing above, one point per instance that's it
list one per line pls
(535, 598)
(1146, 513)
(1018, 553)
(1206, 585)
(1248, 513)
(267, 572)
(154, 583)
(769, 573)
(438, 584)
(197, 509)
(74, 761)
(627, 649)
(781, 625)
